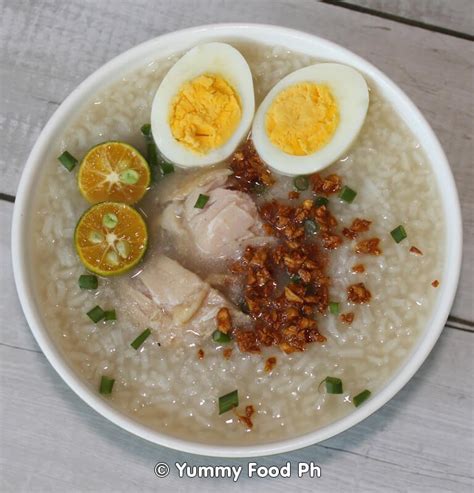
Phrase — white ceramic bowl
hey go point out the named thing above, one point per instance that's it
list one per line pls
(183, 40)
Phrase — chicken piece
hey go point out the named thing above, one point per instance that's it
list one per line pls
(220, 230)
(177, 290)
(178, 187)
(175, 302)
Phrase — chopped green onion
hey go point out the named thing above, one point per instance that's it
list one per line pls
(88, 281)
(67, 160)
(334, 307)
(201, 201)
(301, 183)
(360, 398)
(140, 339)
(333, 385)
(218, 336)
(96, 314)
(319, 201)
(259, 189)
(129, 176)
(106, 385)
(295, 278)
(110, 315)
(110, 220)
(310, 227)
(399, 233)
(146, 131)
(347, 194)
(228, 401)
(155, 174)
(151, 150)
(152, 154)
(166, 168)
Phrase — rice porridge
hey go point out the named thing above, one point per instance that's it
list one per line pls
(174, 387)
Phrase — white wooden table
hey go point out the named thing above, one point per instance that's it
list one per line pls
(422, 440)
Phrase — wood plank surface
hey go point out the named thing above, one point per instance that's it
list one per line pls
(50, 46)
(51, 441)
(421, 441)
(456, 15)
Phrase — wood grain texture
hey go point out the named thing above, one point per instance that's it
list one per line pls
(48, 47)
(457, 15)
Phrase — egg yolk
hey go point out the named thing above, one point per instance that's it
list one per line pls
(302, 118)
(205, 113)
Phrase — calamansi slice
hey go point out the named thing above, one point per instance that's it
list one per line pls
(110, 238)
(113, 171)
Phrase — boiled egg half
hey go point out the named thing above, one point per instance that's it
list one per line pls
(310, 118)
(204, 106)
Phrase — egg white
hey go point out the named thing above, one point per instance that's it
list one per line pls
(351, 94)
(211, 58)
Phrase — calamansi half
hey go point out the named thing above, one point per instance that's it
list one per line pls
(113, 171)
(110, 238)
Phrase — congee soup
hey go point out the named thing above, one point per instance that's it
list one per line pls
(237, 243)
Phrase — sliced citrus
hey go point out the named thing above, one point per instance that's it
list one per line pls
(113, 171)
(110, 238)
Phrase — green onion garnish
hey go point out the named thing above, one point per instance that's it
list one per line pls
(146, 131)
(140, 339)
(88, 281)
(360, 398)
(259, 189)
(110, 315)
(334, 307)
(310, 227)
(218, 336)
(152, 154)
(106, 385)
(151, 150)
(347, 194)
(166, 168)
(228, 401)
(96, 314)
(399, 234)
(67, 160)
(301, 183)
(295, 278)
(201, 201)
(333, 385)
(319, 201)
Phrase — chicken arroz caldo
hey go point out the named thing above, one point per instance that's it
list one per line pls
(239, 243)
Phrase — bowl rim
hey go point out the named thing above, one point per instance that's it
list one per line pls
(237, 31)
